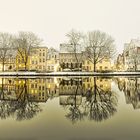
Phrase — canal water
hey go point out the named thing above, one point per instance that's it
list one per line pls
(70, 108)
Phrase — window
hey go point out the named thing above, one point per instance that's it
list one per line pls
(101, 86)
(32, 85)
(48, 67)
(35, 85)
(39, 87)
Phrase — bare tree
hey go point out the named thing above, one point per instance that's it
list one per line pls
(98, 46)
(24, 44)
(6, 42)
(75, 38)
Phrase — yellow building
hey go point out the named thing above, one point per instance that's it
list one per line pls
(103, 65)
(36, 60)
(21, 59)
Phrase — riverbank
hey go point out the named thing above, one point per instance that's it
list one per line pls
(70, 74)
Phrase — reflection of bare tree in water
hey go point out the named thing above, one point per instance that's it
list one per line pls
(22, 107)
(99, 105)
(74, 113)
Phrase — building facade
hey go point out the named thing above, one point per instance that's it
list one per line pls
(52, 63)
(69, 59)
(38, 59)
(120, 62)
(132, 55)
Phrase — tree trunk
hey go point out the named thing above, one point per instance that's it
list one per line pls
(25, 66)
(94, 62)
(135, 65)
(94, 67)
(2, 89)
(3, 66)
(95, 89)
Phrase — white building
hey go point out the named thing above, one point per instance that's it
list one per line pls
(132, 55)
(52, 63)
(70, 57)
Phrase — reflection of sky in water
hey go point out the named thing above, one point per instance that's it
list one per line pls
(51, 123)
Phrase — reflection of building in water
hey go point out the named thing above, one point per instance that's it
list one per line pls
(70, 91)
(77, 89)
(37, 89)
(121, 82)
(102, 83)
(52, 86)
(132, 92)
(89, 97)
(7, 88)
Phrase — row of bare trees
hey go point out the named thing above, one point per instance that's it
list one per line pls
(22, 43)
(96, 45)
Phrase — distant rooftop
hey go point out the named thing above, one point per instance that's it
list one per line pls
(68, 48)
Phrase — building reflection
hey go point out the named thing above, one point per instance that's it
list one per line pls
(86, 97)
(82, 97)
(132, 92)
(21, 97)
(16, 100)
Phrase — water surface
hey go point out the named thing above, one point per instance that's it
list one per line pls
(70, 108)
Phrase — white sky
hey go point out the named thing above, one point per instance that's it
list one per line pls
(52, 19)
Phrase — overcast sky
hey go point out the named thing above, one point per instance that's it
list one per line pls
(52, 19)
